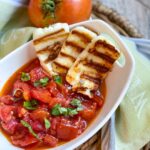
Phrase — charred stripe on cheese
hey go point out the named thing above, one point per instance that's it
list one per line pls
(83, 36)
(48, 42)
(92, 66)
(76, 42)
(97, 66)
(49, 36)
(75, 46)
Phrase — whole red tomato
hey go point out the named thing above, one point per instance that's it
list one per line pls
(45, 12)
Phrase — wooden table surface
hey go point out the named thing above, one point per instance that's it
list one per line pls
(137, 11)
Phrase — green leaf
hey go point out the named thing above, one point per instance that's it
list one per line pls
(76, 102)
(42, 82)
(47, 123)
(72, 112)
(30, 105)
(80, 108)
(27, 125)
(25, 76)
(63, 111)
(58, 79)
(55, 110)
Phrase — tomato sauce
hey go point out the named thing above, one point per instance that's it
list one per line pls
(38, 111)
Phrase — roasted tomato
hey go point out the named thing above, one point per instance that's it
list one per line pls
(45, 12)
(39, 114)
(36, 74)
(7, 99)
(50, 140)
(41, 94)
(23, 88)
(89, 110)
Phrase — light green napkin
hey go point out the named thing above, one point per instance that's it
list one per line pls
(132, 116)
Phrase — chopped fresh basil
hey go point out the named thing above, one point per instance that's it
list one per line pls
(72, 112)
(63, 111)
(76, 102)
(47, 123)
(27, 125)
(58, 79)
(58, 110)
(30, 105)
(25, 76)
(42, 82)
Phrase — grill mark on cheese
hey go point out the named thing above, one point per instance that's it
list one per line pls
(98, 67)
(85, 37)
(53, 51)
(91, 30)
(76, 47)
(47, 36)
(103, 56)
(67, 56)
(60, 65)
(41, 40)
(91, 78)
(104, 44)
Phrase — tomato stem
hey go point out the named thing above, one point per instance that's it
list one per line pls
(48, 8)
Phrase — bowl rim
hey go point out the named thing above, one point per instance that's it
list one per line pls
(130, 62)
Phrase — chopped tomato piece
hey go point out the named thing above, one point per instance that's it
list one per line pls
(7, 99)
(98, 98)
(66, 131)
(36, 74)
(52, 86)
(24, 87)
(24, 141)
(41, 94)
(50, 140)
(8, 113)
(89, 110)
(39, 114)
(10, 127)
(37, 126)
(44, 95)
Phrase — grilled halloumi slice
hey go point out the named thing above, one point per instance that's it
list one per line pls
(48, 42)
(92, 66)
(76, 42)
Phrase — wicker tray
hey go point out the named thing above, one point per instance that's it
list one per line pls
(124, 27)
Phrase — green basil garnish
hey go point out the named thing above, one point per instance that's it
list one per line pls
(58, 110)
(58, 79)
(27, 125)
(72, 112)
(47, 123)
(42, 82)
(25, 76)
(76, 102)
(30, 105)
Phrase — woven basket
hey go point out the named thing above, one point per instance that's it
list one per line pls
(124, 27)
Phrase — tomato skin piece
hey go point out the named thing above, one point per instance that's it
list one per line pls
(8, 100)
(41, 94)
(37, 74)
(24, 141)
(50, 140)
(68, 11)
(89, 110)
(39, 114)
(66, 132)
(24, 87)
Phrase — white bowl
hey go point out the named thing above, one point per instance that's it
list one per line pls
(117, 81)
